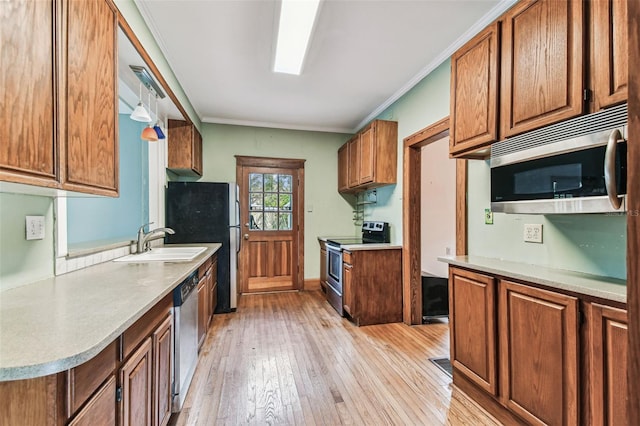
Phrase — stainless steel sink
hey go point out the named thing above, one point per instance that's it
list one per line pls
(164, 254)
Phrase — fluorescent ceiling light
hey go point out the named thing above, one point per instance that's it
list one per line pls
(294, 32)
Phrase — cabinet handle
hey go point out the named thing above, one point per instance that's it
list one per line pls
(610, 169)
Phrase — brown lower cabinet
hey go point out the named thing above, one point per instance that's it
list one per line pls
(128, 383)
(519, 351)
(372, 286)
(608, 367)
(135, 379)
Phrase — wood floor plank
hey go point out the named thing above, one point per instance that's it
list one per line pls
(289, 359)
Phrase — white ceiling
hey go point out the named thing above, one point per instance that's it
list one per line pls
(363, 55)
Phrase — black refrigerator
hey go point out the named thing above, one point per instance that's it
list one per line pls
(206, 212)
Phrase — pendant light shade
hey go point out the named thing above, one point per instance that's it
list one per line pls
(149, 134)
(157, 127)
(140, 113)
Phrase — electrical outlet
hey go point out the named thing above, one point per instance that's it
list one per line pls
(35, 227)
(533, 232)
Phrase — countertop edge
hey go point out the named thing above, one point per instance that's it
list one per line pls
(370, 246)
(483, 265)
(69, 362)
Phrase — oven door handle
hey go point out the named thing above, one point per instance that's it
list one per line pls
(610, 169)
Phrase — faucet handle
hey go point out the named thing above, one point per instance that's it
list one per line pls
(141, 230)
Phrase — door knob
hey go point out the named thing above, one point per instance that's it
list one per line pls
(246, 236)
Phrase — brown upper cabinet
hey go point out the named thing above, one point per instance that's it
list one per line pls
(185, 148)
(474, 92)
(59, 62)
(539, 49)
(542, 64)
(343, 168)
(369, 159)
(610, 52)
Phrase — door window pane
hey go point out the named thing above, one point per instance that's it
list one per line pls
(255, 182)
(271, 221)
(285, 183)
(270, 201)
(256, 201)
(255, 221)
(270, 182)
(284, 222)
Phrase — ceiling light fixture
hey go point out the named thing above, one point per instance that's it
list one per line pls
(149, 133)
(157, 127)
(297, 19)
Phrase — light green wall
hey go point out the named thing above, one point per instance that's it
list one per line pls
(423, 105)
(331, 213)
(23, 261)
(132, 15)
(593, 243)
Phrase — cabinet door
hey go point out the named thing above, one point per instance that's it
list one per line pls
(203, 299)
(539, 354)
(136, 382)
(367, 155)
(474, 92)
(608, 368)
(343, 168)
(611, 54)
(347, 289)
(27, 150)
(162, 339)
(354, 161)
(472, 314)
(101, 408)
(542, 64)
(90, 125)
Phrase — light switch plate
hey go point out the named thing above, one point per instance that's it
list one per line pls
(488, 217)
(533, 233)
(34, 227)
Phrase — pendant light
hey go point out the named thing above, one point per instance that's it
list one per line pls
(140, 113)
(157, 127)
(149, 134)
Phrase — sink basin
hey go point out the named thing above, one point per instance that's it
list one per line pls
(164, 254)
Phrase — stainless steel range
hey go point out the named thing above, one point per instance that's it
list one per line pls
(372, 233)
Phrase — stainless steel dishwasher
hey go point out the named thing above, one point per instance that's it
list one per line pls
(185, 302)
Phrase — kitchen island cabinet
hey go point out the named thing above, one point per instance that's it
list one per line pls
(59, 58)
(372, 285)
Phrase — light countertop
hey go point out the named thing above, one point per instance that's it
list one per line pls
(61, 322)
(575, 282)
(370, 246)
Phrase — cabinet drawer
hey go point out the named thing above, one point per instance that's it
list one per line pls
(145, 325)
(83, 380)
(347, 257)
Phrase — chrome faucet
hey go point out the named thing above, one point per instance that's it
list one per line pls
(145, 238)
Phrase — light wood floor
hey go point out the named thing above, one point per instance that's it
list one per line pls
(289, 358)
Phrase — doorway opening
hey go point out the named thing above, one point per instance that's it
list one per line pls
(412, 209)
(272, 223)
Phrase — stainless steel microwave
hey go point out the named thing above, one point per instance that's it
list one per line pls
(583, 174)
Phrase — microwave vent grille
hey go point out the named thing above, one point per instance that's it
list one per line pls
(587, 124)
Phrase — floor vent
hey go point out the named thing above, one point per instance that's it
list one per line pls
(443, 364)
